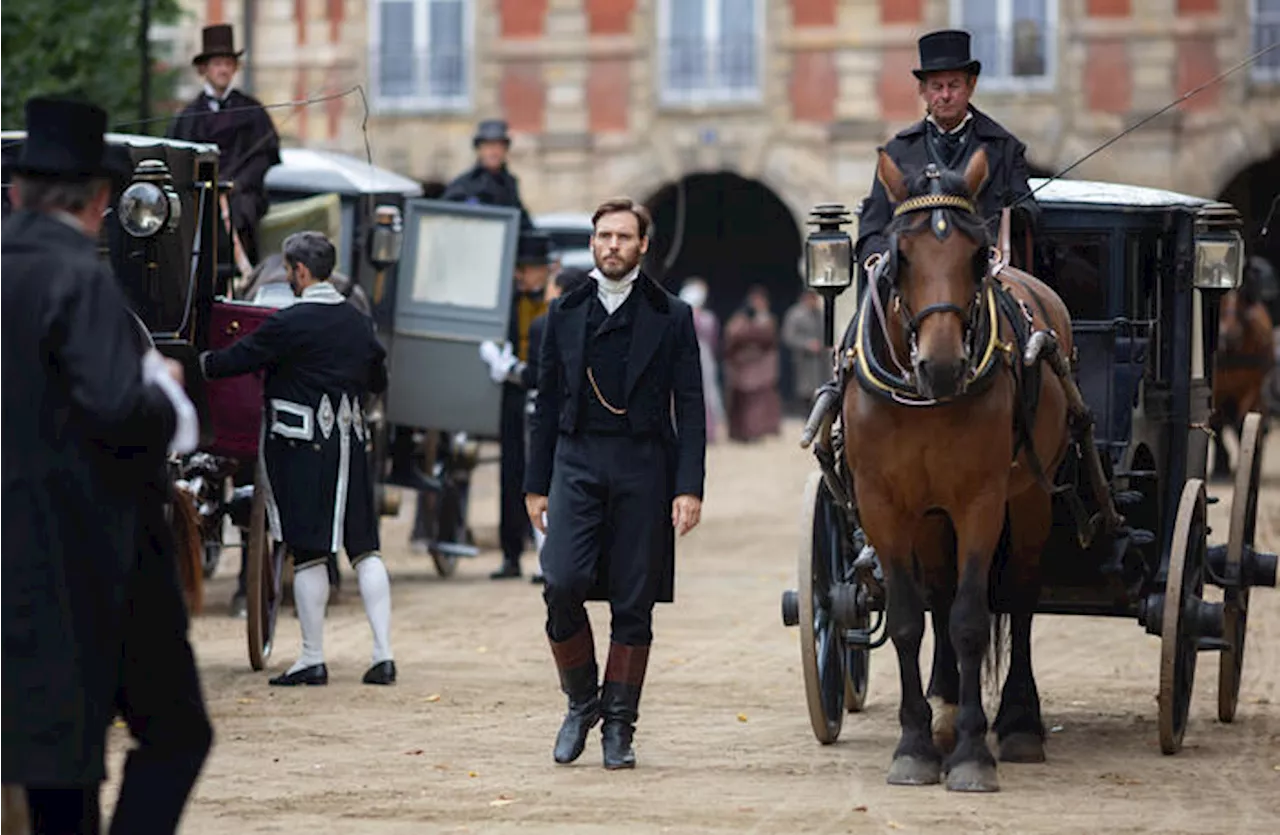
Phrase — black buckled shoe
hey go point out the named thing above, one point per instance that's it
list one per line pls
(508, 571)
(620, 703)
(384, 672)
(313, 676)
(576, 663)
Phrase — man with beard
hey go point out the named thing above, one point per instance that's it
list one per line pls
(322, 358)
(615, 476)
(93, 614)
(241, 128)
(948, 135)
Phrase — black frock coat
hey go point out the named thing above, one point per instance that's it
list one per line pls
(1006, 179)
(84, 441)
(663, 396)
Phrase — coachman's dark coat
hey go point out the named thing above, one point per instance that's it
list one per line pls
(663, 379)
(489, 188)
(1006, 180)
(83, 440)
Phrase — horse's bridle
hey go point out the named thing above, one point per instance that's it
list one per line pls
(936, 203)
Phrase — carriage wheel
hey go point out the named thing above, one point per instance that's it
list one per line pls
(822, 649)
(1244, 517)
(1178, 641)
(265, 580)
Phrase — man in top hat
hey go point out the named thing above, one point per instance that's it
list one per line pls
(617, 461)
(947, 136)
(489, 182)
(237, 123)
(93, 614)
(535, 263)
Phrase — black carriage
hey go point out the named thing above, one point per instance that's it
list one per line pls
(1142, 272)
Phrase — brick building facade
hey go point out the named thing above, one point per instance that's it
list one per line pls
(626, 96)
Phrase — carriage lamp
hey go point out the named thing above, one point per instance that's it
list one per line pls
(150, 204)
(1219, 260)
(829, 250)
(386, 239)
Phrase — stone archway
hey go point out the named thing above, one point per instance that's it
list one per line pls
(1255, 192)
(731, 231)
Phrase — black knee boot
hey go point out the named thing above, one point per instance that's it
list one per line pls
(620, 703)
(576, 663)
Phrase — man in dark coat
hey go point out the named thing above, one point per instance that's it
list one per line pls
(93, 614)
(237, 123)
(535, 261)
(507, 369)
(947, 136)
(614, 475)
(489, 182)
(322, 359)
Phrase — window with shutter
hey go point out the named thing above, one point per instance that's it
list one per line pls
(1266, 33)
(420, 54)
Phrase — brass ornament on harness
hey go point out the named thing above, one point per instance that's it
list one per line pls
(929, 202)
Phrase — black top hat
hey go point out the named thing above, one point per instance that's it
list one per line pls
(216, 40)
(491, 130)
(947, 49)
(64, 139)
(535, 247)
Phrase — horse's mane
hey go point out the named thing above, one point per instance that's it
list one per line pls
(951, 183)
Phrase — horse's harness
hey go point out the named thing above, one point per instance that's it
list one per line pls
(983, 348)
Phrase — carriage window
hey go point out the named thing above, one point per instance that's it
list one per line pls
(1141, 275)
(1077, 267)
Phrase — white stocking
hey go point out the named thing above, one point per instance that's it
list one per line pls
(311, 594)
(375, 591)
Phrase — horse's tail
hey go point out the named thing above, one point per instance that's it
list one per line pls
(188, 541)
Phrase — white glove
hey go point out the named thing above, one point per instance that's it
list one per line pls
(489, 352)
(186, 434)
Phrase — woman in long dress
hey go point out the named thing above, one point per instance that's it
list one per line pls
(707, 328)
(752, 369)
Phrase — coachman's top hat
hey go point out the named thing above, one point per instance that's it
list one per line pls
(947, 49)
(216, 40)
(491, 130)
(64, 140)
(535, 247)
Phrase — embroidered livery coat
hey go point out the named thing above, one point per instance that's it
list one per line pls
(322, 358)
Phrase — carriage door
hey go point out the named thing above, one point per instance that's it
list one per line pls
(454, 288)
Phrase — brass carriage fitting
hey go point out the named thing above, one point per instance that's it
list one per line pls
(386, 238)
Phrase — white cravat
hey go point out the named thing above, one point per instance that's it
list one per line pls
(613, 292)
(968, 117)
(216, 102)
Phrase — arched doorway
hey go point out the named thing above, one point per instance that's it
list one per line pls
(732, 232)
(1255, 192)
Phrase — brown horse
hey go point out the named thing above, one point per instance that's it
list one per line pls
(951, 463)
(1245, 356)
(188, 541)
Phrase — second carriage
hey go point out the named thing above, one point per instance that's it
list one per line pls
(1142, 272)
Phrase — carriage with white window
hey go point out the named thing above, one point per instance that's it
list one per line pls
(1142, 272)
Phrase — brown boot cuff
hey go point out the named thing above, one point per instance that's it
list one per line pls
(627, 664)
(578, 651)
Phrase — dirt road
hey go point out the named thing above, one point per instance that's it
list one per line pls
(463, 742)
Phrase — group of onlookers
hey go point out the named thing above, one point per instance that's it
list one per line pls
(747, 357)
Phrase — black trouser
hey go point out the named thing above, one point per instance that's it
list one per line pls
(606, 512)
(159, 697)
(513, 519)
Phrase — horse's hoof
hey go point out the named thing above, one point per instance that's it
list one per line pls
(1022, 748)
(972, 776)
(914, 771)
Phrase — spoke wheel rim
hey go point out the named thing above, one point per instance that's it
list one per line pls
(1244, 518)
(1177, 643)
(822, 650)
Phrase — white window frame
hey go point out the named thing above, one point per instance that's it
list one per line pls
(423, 101)
(716, 94)
(1260, 72)
(1000, 78)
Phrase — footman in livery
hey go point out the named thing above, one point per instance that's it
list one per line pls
(619, 358)
(321, 358)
